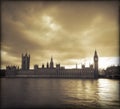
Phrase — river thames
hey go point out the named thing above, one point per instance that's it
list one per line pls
(60, 93)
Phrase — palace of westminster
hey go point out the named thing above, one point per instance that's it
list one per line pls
(52, 72)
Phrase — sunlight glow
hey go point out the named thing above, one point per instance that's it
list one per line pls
(103, 63)
(49, 22)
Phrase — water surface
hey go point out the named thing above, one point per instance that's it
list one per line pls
(59, 93)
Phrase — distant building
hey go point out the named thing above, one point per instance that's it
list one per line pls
(2, 73)
(12, 70)
(25, 61)
(51, 63)
(112, 72)
(47, 65)
(54, 71)
(96, 64)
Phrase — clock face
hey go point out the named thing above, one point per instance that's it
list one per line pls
(96, 59)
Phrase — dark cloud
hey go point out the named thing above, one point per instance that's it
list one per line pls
(14, 37)
(65, 30)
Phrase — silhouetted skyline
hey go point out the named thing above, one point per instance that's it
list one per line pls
(68, 31)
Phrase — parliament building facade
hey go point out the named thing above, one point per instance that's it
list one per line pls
(49, 71)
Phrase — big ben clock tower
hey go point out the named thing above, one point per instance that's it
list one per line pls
(95, 64)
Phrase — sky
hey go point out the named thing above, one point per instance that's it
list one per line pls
(67, 31)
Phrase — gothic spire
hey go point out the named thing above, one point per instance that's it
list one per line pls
(51, 59)
(95, 53)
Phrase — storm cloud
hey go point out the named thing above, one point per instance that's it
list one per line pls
(63, 30)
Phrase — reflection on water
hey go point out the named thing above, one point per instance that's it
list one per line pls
(60, 93)
(109, 92)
